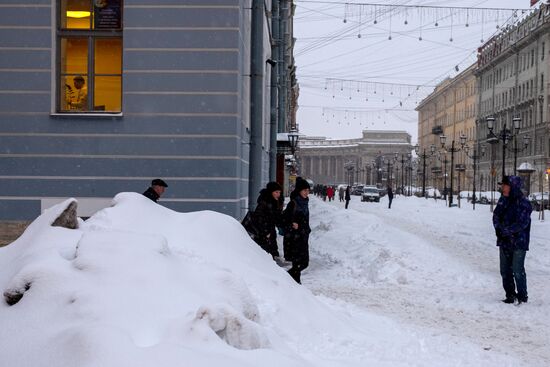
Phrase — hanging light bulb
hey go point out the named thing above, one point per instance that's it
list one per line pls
(389, 38)
(436, 24)
(405, 22)
(451, 39)
(359, 35)
(420, 38)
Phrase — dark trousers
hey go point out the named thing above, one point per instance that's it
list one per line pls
(347, 203)
(296, 270)
(389, 206)
(512, 271)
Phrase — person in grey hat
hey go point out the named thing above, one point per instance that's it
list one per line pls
(155, 191)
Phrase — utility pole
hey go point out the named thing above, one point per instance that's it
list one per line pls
(256, 101)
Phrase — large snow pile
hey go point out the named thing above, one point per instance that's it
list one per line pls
(141, 285)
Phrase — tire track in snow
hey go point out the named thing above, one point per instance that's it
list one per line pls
(472, 314)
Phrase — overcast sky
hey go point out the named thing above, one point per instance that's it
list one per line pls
(353, 77)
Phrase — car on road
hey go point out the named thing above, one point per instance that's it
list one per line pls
(357, 190)
(370, 193)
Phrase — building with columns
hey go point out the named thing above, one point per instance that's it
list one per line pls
(513, 73)
(449, 110)
(361, 160)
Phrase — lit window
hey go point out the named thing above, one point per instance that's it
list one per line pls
(90, 56)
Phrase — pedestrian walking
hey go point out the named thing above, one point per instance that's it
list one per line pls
(347, 196)
(155, 191)
(297, 230)
(324, 193)
(341, 193)
(265, 218)
(512, 222)
(330, 193)
(390, 196)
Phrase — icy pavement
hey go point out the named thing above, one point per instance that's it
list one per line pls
(433, 269)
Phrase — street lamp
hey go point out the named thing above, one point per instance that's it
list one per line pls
(453, 150)
(424, 155)
(410, 168)
(475, 156)
(504, 135)
(293, 139)
(516, 150)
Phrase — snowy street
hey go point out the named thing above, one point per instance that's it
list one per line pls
(431, 268)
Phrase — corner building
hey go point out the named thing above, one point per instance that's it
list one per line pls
(99, 97)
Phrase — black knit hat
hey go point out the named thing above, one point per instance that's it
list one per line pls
(273, 186)
(301, 184)
(505, 181)
(158, 182)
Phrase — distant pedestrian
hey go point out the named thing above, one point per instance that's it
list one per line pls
(512, 222)
(324, 193)
(390, 196)
(347, 196)
(341, 193)
(297, 230)
(155, 191)
(266, 217)
(330, 193)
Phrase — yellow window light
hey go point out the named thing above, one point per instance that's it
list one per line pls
(77, 14)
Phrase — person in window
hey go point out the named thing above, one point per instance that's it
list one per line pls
(77, 97)
(156, 190)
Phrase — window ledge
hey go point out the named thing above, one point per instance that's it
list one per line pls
(87, 115)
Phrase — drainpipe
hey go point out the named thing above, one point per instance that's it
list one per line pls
(275, 42)
(256, 102)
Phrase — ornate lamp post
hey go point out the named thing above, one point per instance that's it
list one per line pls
(293, 139)
(504, 135)
(423, 155)
(453, 150)
(516, 150)
(475, 155)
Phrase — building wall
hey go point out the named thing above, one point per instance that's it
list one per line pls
(185, 110)
(451, 111)
(331, 161)
(513, 71)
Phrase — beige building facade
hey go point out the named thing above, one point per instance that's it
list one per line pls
(450, 110)
(362, 160)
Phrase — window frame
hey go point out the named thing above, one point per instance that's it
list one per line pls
(91, 35)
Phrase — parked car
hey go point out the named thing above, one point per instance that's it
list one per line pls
(370, 194)
(382, 192)
(537, 201)
(357, 190)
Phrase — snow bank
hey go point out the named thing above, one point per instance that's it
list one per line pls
(141, 285)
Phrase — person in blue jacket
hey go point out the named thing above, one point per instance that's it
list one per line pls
(512, 222)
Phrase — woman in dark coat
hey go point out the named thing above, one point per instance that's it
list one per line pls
(348, 196)
(297, 229)
(267, 216)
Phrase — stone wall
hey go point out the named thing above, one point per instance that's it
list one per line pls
(10, 231)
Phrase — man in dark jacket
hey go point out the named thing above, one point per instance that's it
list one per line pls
(390, 196)
(156, 190)
(297, 229)
(267, 216)
(347, 196)
(512, 222)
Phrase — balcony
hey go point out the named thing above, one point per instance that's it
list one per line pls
(437, 130)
